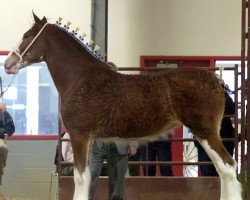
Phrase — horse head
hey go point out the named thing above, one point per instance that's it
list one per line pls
(31, 49)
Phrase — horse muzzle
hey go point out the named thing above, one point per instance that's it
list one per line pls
(12, 64)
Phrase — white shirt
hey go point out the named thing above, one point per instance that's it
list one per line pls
(67, 152)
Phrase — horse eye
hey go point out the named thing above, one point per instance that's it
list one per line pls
(26, 36)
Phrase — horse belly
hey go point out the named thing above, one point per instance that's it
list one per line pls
(148, 122)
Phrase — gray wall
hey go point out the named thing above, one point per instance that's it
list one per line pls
(28, 170)
(98, 20)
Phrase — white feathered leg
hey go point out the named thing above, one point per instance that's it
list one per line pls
(230, 187)
(82, 183)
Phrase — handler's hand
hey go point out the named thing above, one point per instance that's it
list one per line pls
(132, 151)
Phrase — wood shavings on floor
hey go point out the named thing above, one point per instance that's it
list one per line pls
(3, 197)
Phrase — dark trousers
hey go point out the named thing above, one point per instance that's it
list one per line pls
(134, 169)
(158, 150)
(209, 170)
(206, 170)
(162, 151)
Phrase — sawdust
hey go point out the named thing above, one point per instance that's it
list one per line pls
(3, 197)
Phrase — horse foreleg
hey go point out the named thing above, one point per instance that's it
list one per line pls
(81, 149)
(225, 166)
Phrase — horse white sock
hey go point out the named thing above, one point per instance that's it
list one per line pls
(230, 187)
(82, 183)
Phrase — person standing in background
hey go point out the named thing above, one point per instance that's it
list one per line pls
(7, 128)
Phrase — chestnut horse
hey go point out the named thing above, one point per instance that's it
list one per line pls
(97, 102)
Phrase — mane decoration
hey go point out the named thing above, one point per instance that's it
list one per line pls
(80, 39)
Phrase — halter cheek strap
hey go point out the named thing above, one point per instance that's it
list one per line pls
(34, 39)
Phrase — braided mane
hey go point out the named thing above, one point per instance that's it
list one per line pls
(81, 41)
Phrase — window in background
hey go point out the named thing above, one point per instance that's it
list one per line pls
(31, 99)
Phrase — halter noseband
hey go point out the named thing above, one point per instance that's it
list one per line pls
(34, 39)
(21, 58)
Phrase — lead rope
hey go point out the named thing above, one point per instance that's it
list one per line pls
(1, 87)
(20, 61)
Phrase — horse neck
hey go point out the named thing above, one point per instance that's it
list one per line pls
(68, 63)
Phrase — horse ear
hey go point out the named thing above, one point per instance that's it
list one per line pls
(37, 20)
(44, 20)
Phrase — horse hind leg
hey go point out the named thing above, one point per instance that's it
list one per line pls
(81, 148)
(82, 183)
(225, 166)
